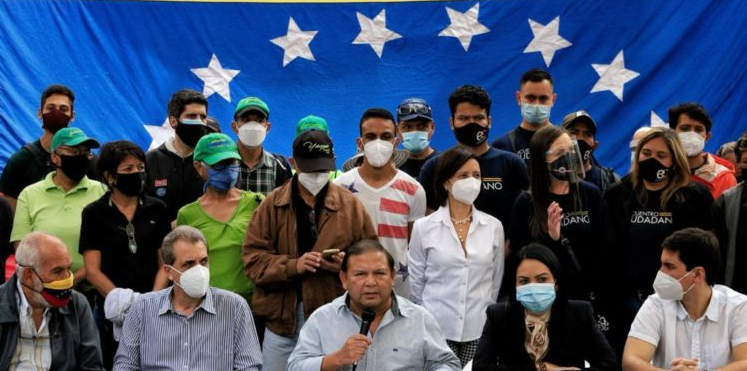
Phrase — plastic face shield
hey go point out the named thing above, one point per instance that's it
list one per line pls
(568, 164)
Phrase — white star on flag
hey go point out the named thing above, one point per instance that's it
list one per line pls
(613, 76)
(374, 32)
(159, 134)
(546, 39)
(464, 25)
(657, 122)
(216, 78)
(295, 43)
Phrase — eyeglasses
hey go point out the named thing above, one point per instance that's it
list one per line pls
(223, 165)
(312, 223)
(132, 244)
(410, 108)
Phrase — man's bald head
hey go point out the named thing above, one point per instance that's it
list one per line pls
(39, 249)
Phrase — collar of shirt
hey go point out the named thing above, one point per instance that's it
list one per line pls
(711, 312)
(266, 161)
(169, 144)
(442, 216)
(84, 183)
(342, 306)
(24, 308)
(166, 304)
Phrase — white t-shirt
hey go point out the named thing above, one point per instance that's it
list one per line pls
(666, 325)
(391, 207)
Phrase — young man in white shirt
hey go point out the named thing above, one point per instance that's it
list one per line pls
(690, 323)
(393, 199)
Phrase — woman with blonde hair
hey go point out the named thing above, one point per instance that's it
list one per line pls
(656, 199)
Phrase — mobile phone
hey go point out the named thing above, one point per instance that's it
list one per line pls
(327, 254)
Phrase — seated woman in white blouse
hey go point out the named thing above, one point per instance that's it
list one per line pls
(456, 254)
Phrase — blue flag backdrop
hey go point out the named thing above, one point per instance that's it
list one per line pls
(625, 62)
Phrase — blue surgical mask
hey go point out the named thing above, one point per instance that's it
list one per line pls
(535, 114)
(222, 178)
(415, 141)
(536, 297)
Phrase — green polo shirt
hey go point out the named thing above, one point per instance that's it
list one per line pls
(224, 242)
(44, 206)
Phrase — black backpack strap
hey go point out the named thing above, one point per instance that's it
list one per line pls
(512, 139)
(281, 170)
(40, 158)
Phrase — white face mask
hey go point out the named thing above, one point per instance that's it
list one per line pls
(378, 152)
(466, 190)
(669, 288)
(194, 281)
(313, 182)
(252, 134)
(692, 143)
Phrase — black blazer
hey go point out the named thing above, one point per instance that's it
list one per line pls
(574, 338)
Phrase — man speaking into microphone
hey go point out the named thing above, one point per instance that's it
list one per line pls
(401, 335)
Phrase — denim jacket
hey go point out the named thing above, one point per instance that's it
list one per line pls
(75, 341)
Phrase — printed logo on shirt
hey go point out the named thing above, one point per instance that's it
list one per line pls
(492, 184)
(575, 217)
(160, 192)
(523, 154)
(651, 217)
(161, 183)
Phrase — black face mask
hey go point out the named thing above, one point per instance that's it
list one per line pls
(562, 168)
(190, 134)
(472, 134)
(55, 120)
(653, 171)
(74, 167)
(586, 150)
(131, 184)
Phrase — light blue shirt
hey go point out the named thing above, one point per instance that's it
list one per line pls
(408, 338)
(218, 335)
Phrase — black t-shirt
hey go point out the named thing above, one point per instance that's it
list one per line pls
(413, 166)
(307, 229)
(172, 179)
(635, 231)
(520, 144)
(103, 228)
(504, 176)
(582, 227)
(28, 165)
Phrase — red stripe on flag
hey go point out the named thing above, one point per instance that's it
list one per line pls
(394, 207)
(392, 231)
(405, 186)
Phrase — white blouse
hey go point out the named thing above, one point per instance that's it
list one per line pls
(455, 288)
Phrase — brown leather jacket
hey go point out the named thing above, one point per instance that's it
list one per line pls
(271, 253)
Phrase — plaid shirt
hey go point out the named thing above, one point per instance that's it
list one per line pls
(260, 178)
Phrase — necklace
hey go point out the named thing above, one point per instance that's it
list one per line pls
(462, 221)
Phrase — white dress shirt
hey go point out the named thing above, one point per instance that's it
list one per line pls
(666, 325)
(455, 288)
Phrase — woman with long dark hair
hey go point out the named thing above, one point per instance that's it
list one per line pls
(560, 210)
(656, 199)
(538, 328)
(456, 255)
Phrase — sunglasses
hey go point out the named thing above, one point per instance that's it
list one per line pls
(411, 108)
(132, 244)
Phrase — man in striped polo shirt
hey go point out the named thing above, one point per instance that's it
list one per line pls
(189, 326)
(393, 199)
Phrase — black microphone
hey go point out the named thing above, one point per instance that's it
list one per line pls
(366, 318)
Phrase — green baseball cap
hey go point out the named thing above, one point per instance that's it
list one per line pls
(312, 122)
(72, 137)
(251, 104)
(214, 148)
